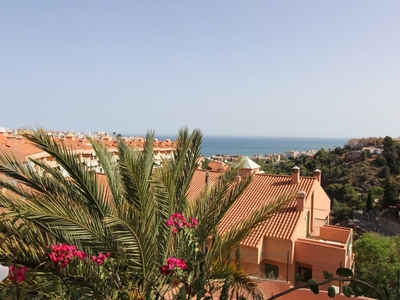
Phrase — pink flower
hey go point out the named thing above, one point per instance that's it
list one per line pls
(164, 270)
(194, 221)
(100, 258)
(80, 254)
(63, 253)
(17, 273)
(178, 221)
(172, 263)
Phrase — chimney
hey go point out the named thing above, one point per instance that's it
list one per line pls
(295, 175)
(207, 177)
(317, 175)
(301, 196)
(238, 178)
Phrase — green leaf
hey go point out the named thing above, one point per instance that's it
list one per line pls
(331, 292)
(327, 274)
(297, 277)
(344, 272)
(182, 293)
(314, 288)
(198, 287)
(386, 292)
(3, 293)
(356, 289)
(347, 291)
(23, 293)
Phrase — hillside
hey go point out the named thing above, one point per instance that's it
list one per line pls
(350, 174)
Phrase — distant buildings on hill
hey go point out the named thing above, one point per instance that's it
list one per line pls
(370, 141)
(13, 142)
(267, 157)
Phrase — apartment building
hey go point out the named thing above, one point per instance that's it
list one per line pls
(298, 239)
(19, 147)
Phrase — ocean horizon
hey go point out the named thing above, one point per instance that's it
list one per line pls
(249, 146)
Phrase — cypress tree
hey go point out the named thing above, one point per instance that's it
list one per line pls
(370, 201)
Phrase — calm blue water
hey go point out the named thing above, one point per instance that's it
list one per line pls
(263, 145)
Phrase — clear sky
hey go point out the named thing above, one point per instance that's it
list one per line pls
(234, 68)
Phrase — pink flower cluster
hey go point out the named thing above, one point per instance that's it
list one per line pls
(178, 221)
(17, 273)
(173, 263)
(100, 258)
(63, 253)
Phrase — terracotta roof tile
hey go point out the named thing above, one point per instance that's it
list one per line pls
(199, 182)
(262, 189)
(217, 166)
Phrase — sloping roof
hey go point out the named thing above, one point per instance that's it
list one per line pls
(217, 166)
(18, 146)
(198, 182)
(263, 188)
(249, 164)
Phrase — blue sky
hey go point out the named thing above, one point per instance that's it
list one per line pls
(234, 68)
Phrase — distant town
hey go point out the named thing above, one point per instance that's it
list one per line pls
(163, 149)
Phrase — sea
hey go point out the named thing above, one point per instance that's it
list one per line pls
(250, 146)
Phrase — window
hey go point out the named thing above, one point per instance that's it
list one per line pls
(305, 274)
(271, 271)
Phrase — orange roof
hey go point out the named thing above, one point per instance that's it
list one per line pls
(217, 166)
(199, 182)
(19, 146)
(262, 188)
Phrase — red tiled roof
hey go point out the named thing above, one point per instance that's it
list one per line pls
(263, 188)
(199, 182)
(217, 166)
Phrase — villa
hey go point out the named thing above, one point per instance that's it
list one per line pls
(298, 239)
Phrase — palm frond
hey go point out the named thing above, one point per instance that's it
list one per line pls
(110, 169)
(229, 278)
(66, 220)
(187, 152)
(137, 239)
(81, 179)
(136, 169)
(213, 204)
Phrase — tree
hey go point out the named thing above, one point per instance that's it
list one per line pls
(370, 201)
(390, 194)
(381, 160)
(390, 154)
(389, 149)
(345, 194)
(365, 154)
(119, 221)
(342, 210)
(377, 261)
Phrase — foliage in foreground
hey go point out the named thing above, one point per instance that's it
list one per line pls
(119, 227)
(378, 261)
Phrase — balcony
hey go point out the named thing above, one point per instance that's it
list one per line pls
(328, 250)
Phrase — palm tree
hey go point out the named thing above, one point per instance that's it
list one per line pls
(122, 212)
